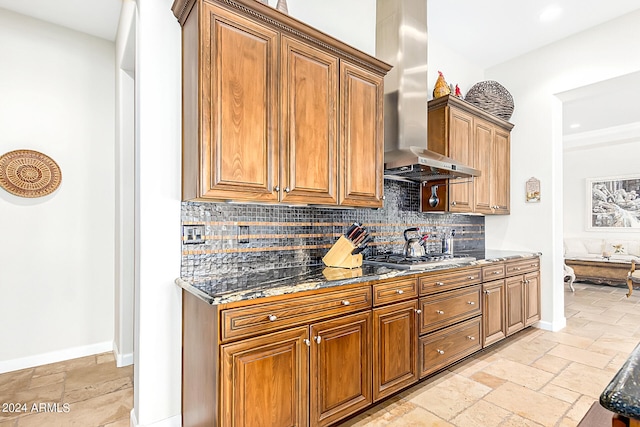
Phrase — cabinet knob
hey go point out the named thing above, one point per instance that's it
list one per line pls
(471, 302)
(517, 268)
(486, 292)
(496, 272)
(287, 190)
(439, 311)
(439, 283)
(471, 277)
(317, 339)
(526, 282)
(399, 292)
(440, 351)
(273, 317)
(345, 302)
(307, 342)
(453, 203)
(277, 188)
(534, 265)
(418, 311)
(470, 338)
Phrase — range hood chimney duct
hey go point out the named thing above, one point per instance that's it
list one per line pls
(401, 40)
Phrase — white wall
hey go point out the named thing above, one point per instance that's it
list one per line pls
(56, 252)
(534, 80)
(617, 155)
(157, 358)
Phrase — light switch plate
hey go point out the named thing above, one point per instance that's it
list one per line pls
(192, 234)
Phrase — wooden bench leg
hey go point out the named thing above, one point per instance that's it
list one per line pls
(630, 286)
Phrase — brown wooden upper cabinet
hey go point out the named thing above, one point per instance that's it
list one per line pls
(473, 137)
(276, 111)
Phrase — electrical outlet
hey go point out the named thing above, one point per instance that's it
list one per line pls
(192, 234)
(243, 234)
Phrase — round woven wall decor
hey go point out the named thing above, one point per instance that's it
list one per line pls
(491, 97)
(28, 173)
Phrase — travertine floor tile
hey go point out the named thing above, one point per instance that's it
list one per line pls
(67, 365)
(526, 352)
(550, 363)
(580, 408)
(561, 393)
(47, 380)
(91, 375)
(518, 373)
(481, 414)
(488, 380)
(585, 357)
(451, 397)
(567, 339)
(419, 417)
(545, 410)
(517, 421)
(583, 379)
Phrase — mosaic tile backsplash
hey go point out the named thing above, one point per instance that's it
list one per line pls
(286, 236)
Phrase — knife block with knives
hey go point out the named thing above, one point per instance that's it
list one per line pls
(345, 253)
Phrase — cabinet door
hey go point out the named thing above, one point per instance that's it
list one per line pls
(264, 381)
(515, 303)
(483, 162)
(462, 149)
(361, 137)
(500, 172)
(532, 298)
(239, 143)
(340, 368)
(493, 316)
(395, 346)
(309, 124)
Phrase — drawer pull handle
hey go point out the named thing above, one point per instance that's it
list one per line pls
(440, 351)
(399, 292)
(345, 302)
(471, 302)
(470, 338)
(496, 272)
(307, 342)
(317, 339)
(517, 268)
(439, 283)
(439, 311)
(273, 317)
(418, 311)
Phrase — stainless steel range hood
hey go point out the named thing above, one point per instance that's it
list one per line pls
(401, 40)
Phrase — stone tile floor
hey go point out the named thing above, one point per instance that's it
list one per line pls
(534, 378)
(85, 392)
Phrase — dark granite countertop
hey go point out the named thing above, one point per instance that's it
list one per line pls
(281, 281)
(622, 395)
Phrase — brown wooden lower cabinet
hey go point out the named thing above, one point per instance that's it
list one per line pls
(531, 298)
(340, 368)
(265, 380)
(493, 312)
(514, 292)
(395, 344)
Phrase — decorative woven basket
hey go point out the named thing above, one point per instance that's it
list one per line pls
(491, 97)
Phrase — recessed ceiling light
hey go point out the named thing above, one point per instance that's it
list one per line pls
(574, 125)
(551, 13)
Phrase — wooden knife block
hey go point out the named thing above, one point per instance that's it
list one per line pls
(340, 255)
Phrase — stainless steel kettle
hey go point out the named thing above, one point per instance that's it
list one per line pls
(413, 246)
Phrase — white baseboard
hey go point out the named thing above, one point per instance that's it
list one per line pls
(122, 359)
(54, 356)
(175, 421)
(552, 326)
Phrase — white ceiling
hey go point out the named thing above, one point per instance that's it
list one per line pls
(96, 17)
(508, 28)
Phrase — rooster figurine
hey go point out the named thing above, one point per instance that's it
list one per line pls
(458, 92)
(441, 88)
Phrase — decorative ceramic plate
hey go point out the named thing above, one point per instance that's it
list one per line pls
(28, 173)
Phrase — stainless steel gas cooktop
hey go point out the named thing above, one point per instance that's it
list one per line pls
(416, 263)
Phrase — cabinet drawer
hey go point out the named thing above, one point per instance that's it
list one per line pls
(445, 309)
(449, 345)
(439, 282)
(493, 271)
(261, 318)
(525, 266)
(394, 290)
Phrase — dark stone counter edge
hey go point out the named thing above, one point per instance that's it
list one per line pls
(622, 395)
(316, 278)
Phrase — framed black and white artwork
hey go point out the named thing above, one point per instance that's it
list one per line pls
(614, 203)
